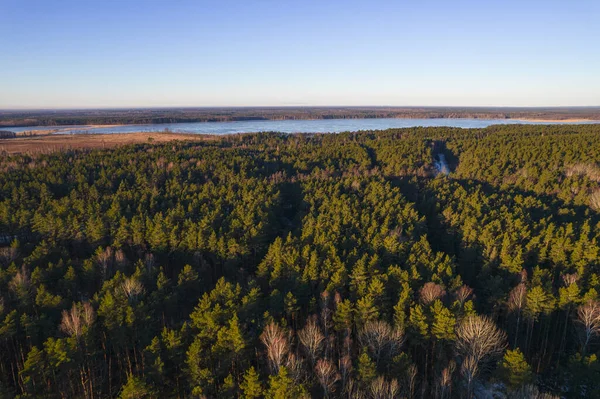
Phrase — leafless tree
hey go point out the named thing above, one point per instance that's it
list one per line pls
(478, 339)
(105, 260)
(381, 338)
(523, 276)
(588, 316)
(430, 292)
(325, 298)
(337, 298)
(463, 293)
(348, 344)
(378, 388)
(311, 339)
(569, 279)
(469, 370)
(132, 287)
(382, 389)
(584, 169)
(276, 342)
(445, 381)
(74, 320)
(20, 283)
(20, 280)
(327, 375)
(393, 389)
(73, 323)
(352, 390)
(411, 380)
(88, 314)
(516, 302)
(345, 365)
(295, 367)
(517, 297)
(478, 336)
(120, 258)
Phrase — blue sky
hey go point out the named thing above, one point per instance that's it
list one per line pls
(143, 53)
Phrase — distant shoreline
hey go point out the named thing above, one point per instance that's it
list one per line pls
(55, 119)
(49, 129)
(572, 120)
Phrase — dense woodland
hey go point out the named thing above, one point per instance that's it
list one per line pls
(173, 115)
(292, 266)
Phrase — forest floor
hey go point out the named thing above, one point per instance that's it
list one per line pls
(59, 142)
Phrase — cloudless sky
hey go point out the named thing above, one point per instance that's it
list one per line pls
(127, 53)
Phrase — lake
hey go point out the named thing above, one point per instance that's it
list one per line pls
(286, 126)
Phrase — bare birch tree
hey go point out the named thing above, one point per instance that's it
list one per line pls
(74, 320)
(327, 375)
(469, 370)
(381, 338)
(588, 316)
(105, 260)
(478, 340)
(445, 381)
(411, 380)
(516, 302)
(311, 339)
(430, 292)
(382, 389)
(478, 336)
(463, 293)
(345, 366)
(276, 342)
(132, 287)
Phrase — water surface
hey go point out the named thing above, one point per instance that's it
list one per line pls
(287, 126)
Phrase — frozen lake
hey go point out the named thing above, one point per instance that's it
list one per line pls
(285, 126)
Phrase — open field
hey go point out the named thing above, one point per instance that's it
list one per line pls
(50, 143)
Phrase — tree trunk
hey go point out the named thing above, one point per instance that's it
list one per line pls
(517, 332)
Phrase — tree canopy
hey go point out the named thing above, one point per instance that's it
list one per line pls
(305, 265)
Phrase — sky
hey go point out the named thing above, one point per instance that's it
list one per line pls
(145, 53)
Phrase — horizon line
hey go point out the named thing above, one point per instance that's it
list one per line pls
(166, 107)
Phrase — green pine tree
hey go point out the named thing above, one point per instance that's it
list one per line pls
(251, 386)
(515, 369)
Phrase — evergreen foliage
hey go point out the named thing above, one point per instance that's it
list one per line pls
(280, 266)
